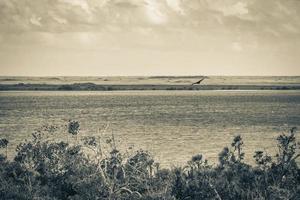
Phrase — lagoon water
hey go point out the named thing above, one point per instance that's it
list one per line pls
(172, 125)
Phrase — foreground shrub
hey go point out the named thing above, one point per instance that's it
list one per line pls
(81, 170)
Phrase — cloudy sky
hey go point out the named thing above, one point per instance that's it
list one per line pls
(149, 37)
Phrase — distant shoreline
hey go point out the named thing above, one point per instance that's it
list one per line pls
(121, 87)
(119, 83)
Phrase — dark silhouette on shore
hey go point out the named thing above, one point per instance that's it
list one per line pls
(199, 82)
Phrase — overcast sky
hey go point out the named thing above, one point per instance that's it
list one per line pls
(149, 37)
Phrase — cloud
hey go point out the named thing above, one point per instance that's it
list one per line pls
(175, 5)
(34, 20)
(259, 17)
(238, 9)
(83, 4)
(219, 32)
(155, 13)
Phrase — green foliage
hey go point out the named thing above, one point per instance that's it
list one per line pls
(42, 169)
(73, 127)
(3, 143)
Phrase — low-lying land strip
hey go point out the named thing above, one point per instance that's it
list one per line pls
(115, 87)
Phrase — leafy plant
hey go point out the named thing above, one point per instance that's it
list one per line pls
(45, 169)
(3, 144)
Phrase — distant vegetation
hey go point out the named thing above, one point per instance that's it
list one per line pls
(79, 169)
(116, 87)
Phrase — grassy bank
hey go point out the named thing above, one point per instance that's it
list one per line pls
(80, 169)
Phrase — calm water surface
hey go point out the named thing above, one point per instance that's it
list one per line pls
(172, 125)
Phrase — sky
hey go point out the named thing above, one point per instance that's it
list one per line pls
(149, 37)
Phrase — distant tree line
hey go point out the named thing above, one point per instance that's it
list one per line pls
(115, 87)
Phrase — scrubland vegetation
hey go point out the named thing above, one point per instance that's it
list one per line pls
(80, 169)
(118, 87)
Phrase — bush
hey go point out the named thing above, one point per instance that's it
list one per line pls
(59, 170)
